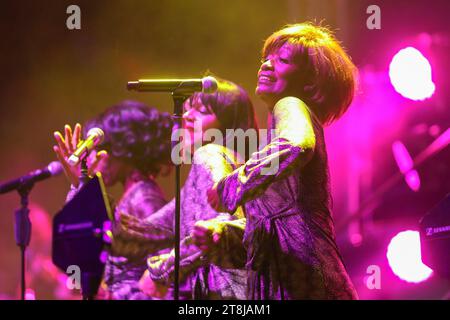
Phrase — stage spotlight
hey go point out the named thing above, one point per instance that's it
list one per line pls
(404, 257)
(410, 74)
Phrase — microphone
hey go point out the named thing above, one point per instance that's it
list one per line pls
(95, 136)
(183, 86)
(53, 169)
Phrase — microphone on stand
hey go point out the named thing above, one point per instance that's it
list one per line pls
(22, 223)
(180, 89)
(182, 86)
(53, 169)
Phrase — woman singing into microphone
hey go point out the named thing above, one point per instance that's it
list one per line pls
(211, 250)
(307, 81)
(137, 145)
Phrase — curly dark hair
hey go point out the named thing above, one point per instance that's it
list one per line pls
(136, 134)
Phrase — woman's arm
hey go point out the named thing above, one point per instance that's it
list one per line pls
(220, 240)
(139, 202)
(210, 164)
(291, 147)
(156, 230)
(218, 235)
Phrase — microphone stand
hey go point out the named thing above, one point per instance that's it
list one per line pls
(22, 230)
(84, 177)
(179, 97)
(178, 101)
(89, 281)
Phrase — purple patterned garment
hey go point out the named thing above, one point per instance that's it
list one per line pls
(219, 275)
(127, 261)
(289, 236)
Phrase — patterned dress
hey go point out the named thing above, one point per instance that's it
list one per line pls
(289, 236)
(127, 261)
(221, 274)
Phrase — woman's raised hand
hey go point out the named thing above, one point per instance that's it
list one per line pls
(66, 145)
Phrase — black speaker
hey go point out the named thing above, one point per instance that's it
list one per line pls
(78, 231)
(435, 238)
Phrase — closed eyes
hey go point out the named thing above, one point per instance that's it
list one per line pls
(198, 107)
(281, 59)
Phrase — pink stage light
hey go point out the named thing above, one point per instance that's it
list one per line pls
(404, 257)
(410, 74)
(405, 164)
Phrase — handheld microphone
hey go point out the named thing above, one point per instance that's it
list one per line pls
(181, 86)
(53, 169)
(95, 136)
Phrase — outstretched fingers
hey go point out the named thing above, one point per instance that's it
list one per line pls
(61, 144)
(93, 166)
(76, 136)
(68, 138)
(69, 171)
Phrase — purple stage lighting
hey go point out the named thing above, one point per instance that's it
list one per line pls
(410, 74)
(404, 257)
(405, 164)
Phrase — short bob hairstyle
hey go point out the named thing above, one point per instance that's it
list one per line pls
(328, 79)
(137, 134)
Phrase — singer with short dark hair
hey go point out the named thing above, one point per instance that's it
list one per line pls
(137, 145)
(211, 250)
(307, 81)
